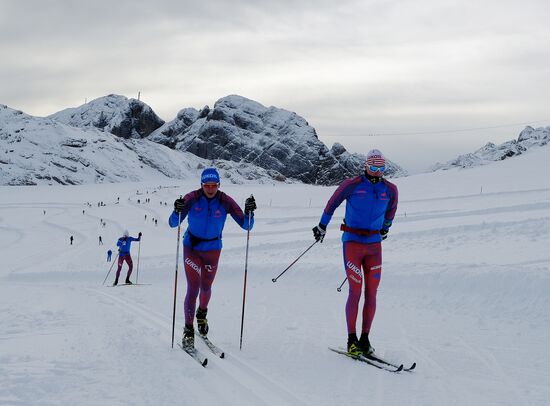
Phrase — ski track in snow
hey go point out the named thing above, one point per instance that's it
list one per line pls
(257, 384)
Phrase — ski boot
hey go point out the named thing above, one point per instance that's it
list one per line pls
(353, 345)
(115, 282)
(364, 344)
(202, 322)
(128, 282)
(188, 340)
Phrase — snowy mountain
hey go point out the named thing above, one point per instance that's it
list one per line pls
(527, 139)
(118, 115)
(36, 150)
(242, 130)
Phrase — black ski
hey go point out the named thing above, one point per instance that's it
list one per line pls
(369, 361)
(196, 355)
(214, 348)
(391, 364)
(130, 284)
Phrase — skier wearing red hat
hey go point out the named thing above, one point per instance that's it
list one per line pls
(371, 203)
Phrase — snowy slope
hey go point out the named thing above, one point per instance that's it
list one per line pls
(465, 293)
(36, 150)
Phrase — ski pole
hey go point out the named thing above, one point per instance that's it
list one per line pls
(176, 278)
(339, 288)
(245, 273)
(296, 260)
(110, 269)
(137, 269)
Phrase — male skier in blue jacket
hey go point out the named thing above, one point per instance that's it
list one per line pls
(206, 210)
(371, 203)
(123, 245)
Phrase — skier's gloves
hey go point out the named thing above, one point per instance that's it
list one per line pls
(319, 232)
(249, 205)
(179, 205)
(139, 234)
(384, 234)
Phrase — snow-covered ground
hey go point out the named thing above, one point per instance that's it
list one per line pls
(465, 293)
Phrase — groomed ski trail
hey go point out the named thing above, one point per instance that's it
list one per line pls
(227, 370)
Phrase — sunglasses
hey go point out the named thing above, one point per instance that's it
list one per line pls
(374, 168)
(210, 185)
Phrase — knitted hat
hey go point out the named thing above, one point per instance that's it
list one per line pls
(375, 158)
(210, 175)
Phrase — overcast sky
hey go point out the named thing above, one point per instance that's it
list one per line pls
(411, 71)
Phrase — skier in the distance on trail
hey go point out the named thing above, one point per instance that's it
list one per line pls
(124, 244)
(206, 210)
(371, 203)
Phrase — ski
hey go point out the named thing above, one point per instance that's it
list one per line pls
(369, 361)
(196, 355)
(214, 348)
(383, 361)
(129, 284)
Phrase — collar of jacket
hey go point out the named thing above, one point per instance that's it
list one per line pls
(373, 179)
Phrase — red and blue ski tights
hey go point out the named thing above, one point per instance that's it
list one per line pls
(200, 271)
(369, 257)
(121, 259)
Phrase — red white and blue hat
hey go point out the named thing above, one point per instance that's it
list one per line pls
(375, 158)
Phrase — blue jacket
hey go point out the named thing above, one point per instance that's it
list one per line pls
(124, 243)
(206, 219)
(369, 206)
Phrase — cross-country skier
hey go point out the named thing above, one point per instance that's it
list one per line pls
(124, 244)
(109, 254)
(206, 210)
(371, 202)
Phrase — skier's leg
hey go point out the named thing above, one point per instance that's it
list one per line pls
(192, 264)
(210, 261)
(372, 267)
(120, 262)
(128, 259)
(352, 264)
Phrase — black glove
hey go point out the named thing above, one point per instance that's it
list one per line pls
(179, 205)
(384, 234)
(319, 232)
(249, 205)
(139, 234)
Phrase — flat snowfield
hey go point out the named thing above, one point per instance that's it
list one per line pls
(465, 293)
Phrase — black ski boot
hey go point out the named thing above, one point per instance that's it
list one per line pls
(128, 282)
(353, 345)
(202, 322)
(364, 344)
(188, 340)
(115, 282)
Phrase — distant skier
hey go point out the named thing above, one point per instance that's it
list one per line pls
(71, 239)
(371, 203)
(100, 241)
(206, 209)
(109, 254)
(123, 244)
